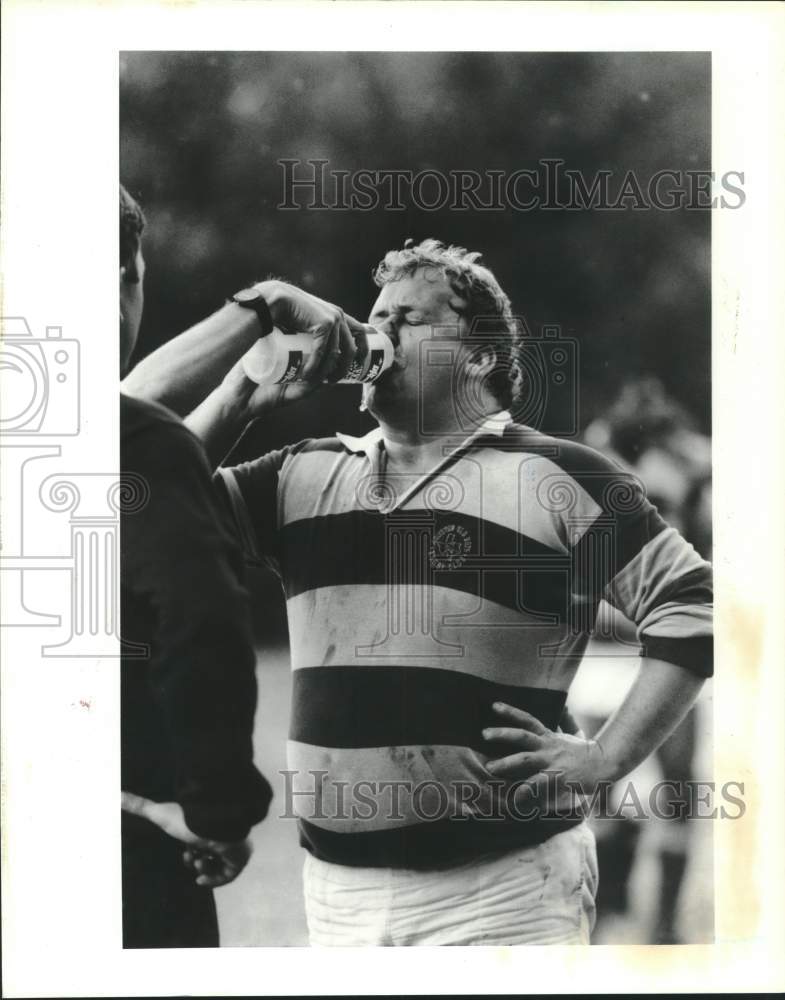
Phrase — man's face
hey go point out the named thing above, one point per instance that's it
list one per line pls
(131, 306)
(408, 310)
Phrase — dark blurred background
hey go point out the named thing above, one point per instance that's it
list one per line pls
(200, 134)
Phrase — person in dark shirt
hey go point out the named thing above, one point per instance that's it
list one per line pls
(188, 700)
(187, 707)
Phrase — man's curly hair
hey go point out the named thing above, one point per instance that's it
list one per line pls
(132, 223)
(487, 310)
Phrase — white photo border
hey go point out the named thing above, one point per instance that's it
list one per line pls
(60, 733)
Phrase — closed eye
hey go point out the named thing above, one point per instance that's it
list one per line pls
(400, 316)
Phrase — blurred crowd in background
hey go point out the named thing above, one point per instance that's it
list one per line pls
(650, 433)
(201, 135)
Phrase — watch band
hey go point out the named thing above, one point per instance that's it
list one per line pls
(252, 298)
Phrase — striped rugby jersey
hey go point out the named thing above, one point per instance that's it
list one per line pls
(415, 602)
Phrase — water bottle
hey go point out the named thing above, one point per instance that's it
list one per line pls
(280, 357)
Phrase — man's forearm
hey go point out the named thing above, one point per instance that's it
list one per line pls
(659, 699)
(182, 372)
(219, 422)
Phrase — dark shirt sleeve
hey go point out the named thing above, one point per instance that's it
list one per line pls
(666, 589)
(181, 561)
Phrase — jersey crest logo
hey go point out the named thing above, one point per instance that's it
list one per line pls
(451, 545)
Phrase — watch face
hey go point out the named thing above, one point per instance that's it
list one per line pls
(247, 295)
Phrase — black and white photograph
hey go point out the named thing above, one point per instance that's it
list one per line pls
(456, 560)
(376, 543)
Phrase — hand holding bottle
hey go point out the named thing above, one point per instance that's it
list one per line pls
(336, 338)
(314, 342)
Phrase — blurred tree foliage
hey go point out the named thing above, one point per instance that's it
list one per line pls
(201, 134)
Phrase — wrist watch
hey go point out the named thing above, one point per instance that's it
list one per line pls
(252, 298)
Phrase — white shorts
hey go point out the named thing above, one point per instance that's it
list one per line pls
(535, 895)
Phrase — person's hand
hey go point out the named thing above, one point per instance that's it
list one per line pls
(215, 862)
(255, 399)
(338, 338)
(542, 755)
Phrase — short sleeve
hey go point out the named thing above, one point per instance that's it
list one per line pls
(251, 492)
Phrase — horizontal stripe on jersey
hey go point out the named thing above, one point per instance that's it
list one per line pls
(415, 806)
(357, 548)
(350, 706)
(363, 789)
(442, 843)
(433, 627)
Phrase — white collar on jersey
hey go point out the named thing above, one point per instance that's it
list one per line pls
(494, 424)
